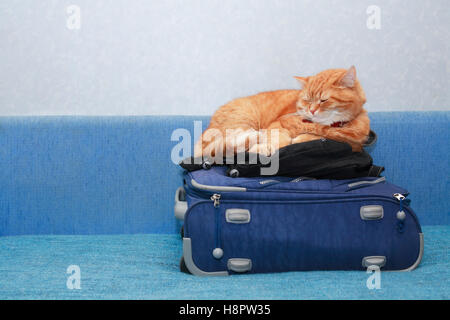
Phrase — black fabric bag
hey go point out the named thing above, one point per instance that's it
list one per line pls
(319, 159)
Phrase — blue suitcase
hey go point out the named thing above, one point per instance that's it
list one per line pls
(280, 224)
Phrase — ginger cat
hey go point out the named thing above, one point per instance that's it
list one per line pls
(329, 105)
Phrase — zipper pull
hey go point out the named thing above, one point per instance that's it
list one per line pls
(400, 198)
(216, 198)
(401, 215)
(218, 251)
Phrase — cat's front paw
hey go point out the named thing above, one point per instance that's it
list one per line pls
(241, 140)
(305, 138)
(262, 148)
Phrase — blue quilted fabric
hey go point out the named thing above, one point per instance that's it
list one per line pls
(114, 175)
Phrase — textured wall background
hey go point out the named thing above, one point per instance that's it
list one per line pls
(188, 57)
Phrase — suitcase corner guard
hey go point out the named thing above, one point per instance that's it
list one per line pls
(190, 265)
(419, 257)
(380, 261)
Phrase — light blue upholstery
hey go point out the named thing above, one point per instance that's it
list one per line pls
(114, 175)
(73, 177)
(146, 267)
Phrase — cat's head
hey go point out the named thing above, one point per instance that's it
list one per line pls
(331, 96)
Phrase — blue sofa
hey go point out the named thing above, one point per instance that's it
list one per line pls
(98, 192)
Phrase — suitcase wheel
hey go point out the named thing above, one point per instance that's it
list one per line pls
(183, 267)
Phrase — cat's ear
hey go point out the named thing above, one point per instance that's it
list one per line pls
(302, 81)
(349, 78)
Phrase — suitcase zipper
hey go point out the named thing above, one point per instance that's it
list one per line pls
(218, 251)
(208, 189)
(263, 182)
(219, 200)
(216, 199)
(400, 197)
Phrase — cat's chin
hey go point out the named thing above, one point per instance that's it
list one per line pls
(327, 122)
(325, 119)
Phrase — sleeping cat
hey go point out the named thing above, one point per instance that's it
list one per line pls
(329, 105)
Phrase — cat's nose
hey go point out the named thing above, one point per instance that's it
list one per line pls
(313, 109)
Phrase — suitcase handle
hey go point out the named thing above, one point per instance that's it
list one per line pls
(365, 183)
(238, 216)
(371, 212)
(379, 261)
(239, 265)
(181, 206)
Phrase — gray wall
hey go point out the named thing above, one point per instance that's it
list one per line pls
(189, 57)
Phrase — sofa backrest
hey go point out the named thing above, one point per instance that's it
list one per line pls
(114, 175)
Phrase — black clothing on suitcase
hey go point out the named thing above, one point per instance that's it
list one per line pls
(319, 159)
